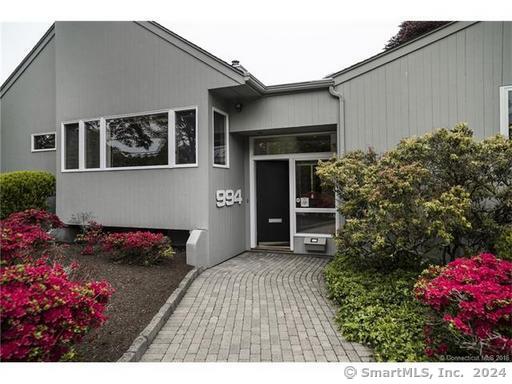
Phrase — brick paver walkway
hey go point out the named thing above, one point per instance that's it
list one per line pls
(256, 307)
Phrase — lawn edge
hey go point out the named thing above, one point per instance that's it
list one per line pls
(148, 334)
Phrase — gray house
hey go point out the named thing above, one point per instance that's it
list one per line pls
(144, 129)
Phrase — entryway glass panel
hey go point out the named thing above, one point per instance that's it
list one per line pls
(309, 191)
(277, 145)
(316, 222)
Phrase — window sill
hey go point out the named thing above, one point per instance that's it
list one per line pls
(313, 235)
(220, 166)
(43, 150)
(117, 169)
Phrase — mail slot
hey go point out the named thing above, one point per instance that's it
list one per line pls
(278, 220)
(315, 244)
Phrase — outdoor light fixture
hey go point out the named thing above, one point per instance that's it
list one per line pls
(238, 107)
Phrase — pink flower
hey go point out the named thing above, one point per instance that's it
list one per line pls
(474, 296)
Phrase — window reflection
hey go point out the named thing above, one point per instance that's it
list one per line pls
(185, 137)
(137, 141)
(321, 223)
(92, 144)
(295, 144)
(219, 139)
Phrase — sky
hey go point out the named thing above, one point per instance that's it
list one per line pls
(274, 51)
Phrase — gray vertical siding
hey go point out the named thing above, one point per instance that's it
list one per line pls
(311, 108)
(28, 107)
(451, 80)
(106, 68)
(227, 224)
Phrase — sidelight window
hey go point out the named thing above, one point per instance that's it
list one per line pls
(315, 211)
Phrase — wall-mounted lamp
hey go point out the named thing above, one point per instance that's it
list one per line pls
(238, 107)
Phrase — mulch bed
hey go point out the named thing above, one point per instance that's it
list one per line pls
(140, 291)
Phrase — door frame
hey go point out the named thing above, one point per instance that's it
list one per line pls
(291, 157)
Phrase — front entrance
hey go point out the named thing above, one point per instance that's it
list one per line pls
(273, 204)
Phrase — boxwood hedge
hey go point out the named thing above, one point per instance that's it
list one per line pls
(21, 190)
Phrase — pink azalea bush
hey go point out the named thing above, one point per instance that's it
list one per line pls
(44, 219)
(43, 313)
(24, 235)
(471, 305)
(91, 237)
(140, 247)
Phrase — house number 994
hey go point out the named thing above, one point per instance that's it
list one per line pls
(228, 197)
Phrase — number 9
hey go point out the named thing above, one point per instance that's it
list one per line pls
(229, 197)
(221, 198)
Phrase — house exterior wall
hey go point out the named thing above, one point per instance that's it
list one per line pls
(312, 108)
(27, 106)
(89, 70)
(454, 79)
(227, 224)
(108, 68)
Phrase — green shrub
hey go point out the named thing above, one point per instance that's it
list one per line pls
(378, 309)
(25, 189)
(432, 198)
(504, 244)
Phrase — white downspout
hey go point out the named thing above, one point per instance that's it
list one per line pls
(340, 144)
(341, 149)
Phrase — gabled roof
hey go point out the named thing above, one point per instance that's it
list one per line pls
(236, 73)
(397, 52)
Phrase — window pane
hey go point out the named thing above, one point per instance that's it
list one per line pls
(46, 141)
(295, 144)
(186, 137)
(138, 141)
(322, 223)
(71, 143)
(309, 191)
(92, 144)
(219, 139)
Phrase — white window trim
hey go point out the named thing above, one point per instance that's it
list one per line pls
(504, 113)
(226, 129)
(291, 157)
(103, 142)
(32, 149)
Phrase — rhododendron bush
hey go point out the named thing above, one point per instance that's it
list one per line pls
(471, 305)
(43, 314)
(429, 200)
(141, 247)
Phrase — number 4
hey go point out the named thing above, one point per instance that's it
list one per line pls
(238, 196)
